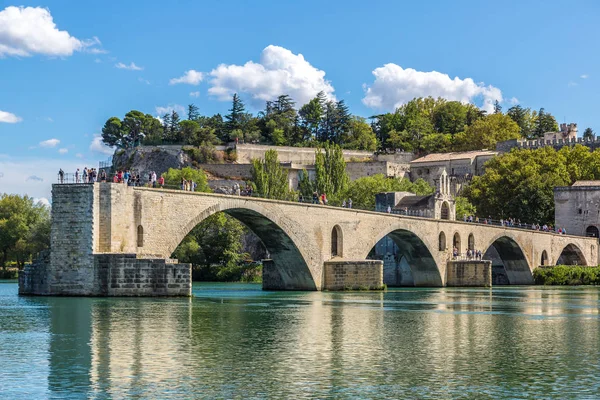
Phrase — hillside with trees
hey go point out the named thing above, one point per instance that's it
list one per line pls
(423, 125)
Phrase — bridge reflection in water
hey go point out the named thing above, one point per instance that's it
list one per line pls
(235, 341)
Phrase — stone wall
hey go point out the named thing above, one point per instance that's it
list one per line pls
(299, 155)
(239, 171)
(469, 273)
(126, 275)
(576, 208)
(357, 170)
(353, 275)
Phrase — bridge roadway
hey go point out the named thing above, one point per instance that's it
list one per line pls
(299, 237)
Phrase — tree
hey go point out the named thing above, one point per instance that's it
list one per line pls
(588, 134)
(486, 132)
(236, 114)
(269, 177)
(193, 112)
(523, 118)
(497, 107)
(217, 240)
(464, 208)
(362, 191)
(330, 171)
(113, 133)
(520, 184)
(24, 229)
(545, 122)
(173, 178)
(359, 135)
(450, 117)
(311, 114)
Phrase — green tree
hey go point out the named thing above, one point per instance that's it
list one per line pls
(497, 107)
(234, 120)
(217, 240)
(24, 229)
(362, 191)
(359, 136)
(270, 178)
(449, 117)
(520, 184)
(311, 115)
(464, 207)
(173, 178)
(545, 122)
(330, 171)
(113, 133)
(486, 132)
(588, 134)
(306, 187)
(193, 112)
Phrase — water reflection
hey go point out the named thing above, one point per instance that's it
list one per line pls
(235, 341)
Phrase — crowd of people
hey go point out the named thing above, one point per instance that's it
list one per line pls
(514, 223)
(472, 254)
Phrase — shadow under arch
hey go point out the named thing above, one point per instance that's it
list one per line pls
(509, 264)
(415, 262)
(287, 262)
(571, 255)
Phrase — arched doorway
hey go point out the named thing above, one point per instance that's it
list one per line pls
(336, 241)
(509, 264)
(544, 260)
(140, 236)
(442, 241)
(592, 231)
(571, 255)
(456, 242)
(445, 212)
(471, 242)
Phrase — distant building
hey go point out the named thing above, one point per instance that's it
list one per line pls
(567, 136)
(460, 167)
(577, 208)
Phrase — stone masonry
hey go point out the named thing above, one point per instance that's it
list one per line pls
(469, 273)
(353, 275)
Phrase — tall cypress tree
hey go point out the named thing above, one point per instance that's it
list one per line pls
(236, 114)
(330, 171)
(270, 178)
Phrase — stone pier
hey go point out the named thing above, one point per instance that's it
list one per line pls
(353, 275)
(469, 273)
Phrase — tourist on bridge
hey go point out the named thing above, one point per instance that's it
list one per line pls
(315, 198)
(85, 175)
(77, 176)
(344, 203)
(389, 209)
(161, 181)
(349, 203)
(61, 175)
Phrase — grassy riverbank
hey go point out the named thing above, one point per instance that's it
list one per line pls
(567, 275)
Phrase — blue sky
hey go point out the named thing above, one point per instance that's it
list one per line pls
(59, 78)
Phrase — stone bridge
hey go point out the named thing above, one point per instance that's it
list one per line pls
(93, 222)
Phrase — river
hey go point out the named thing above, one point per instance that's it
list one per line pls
(235, 341)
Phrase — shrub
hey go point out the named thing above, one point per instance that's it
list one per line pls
(567, 275)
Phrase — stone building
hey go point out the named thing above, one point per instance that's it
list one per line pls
(460, 167)
(577, 208)
(566, 136)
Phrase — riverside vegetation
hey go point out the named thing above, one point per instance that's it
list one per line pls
(567, 275)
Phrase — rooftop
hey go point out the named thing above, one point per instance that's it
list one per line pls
(586, 183)
(463, 155)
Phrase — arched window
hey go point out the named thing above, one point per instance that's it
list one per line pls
(471, 242)
(591, 231)
(336, 241)
(544, 258)
(140, 236)
(456, 242)
(445, 213)
(442, 241)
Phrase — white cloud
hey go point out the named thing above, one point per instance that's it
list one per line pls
(42, 200)
(49, 143)
(63, 151)
(130, 67)
(395, 86)
(160, 111)
(97, 146)
(34, 178)
(513, 101)
(25, 31)
(97, 61)
(584, 76)
(194, 94)
(49, 119)
(279, 72)
(9, 118)
(571, 84)
(142, 80)
(79, 155)
(191, 77)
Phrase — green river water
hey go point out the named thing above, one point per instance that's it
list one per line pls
(234, 341)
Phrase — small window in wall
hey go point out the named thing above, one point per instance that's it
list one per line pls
(442, 239)
(336, 241)
(140, 236)
(580, 211)
(544, 258)
(456, 242)
(471, 242)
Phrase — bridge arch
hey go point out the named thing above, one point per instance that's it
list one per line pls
(571, 254)
(442, 241)
(509, 263)
(471, 242)
(288, 259)
(544, 259)
(456, 242)
(416, 253)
